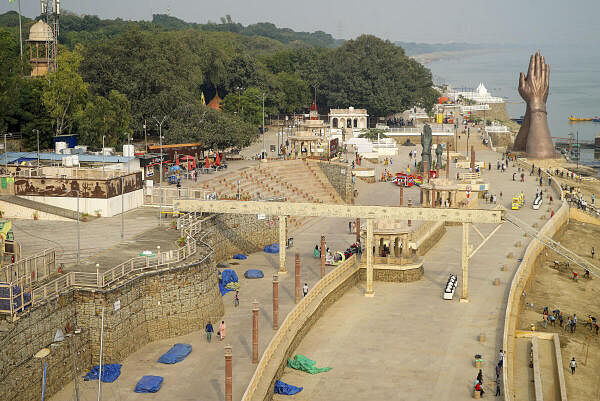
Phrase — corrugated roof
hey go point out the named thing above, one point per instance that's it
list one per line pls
(84, 158)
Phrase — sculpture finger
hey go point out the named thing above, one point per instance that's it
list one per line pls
(521, 81)
(538, 65)
(531, 66)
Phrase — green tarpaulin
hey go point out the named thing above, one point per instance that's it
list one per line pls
(300, 362)
(3, 180)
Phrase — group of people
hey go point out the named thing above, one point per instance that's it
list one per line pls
(210, 330)
(570, 323)
(478, 385)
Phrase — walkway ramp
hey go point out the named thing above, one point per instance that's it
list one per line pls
(40, 207)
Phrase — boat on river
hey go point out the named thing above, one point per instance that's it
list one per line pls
(576, 119)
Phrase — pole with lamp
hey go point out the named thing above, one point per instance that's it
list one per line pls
(263, 126)
(578, 150)
(145, 136)
(103, 154)
(37, 132)
(160, 198)
(5, 153)
(239, 90)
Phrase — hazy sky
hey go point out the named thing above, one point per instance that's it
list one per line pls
(534, 22)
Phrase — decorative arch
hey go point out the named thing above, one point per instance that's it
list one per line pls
(335, 122)
(349, 123)
(356, 123)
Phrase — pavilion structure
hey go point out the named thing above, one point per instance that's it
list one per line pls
(446, 193)
(41, 54)
(312, 139)
(348, 118)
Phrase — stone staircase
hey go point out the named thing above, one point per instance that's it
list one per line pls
(288, 180)
(41, 207)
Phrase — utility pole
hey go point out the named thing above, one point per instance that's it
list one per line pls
(103, 153)
(160, 199)
(263, 126)
(5, 153)
(578, 150)
(145, 136)
(78, 233)
(38, 145)
(20, 30)
(122, 209)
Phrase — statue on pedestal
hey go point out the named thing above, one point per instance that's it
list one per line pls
(438, 153)
(426, 143)
(534, 136)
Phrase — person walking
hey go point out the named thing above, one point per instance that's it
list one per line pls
(236, 300)
(480, 376)
(574, 323)
(209, 330)
(222, 329)
(573, 365)
(593, 252)
(305, 289)
(501, 359)
(497, 387)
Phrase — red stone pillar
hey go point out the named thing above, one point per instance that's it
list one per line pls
(228, 374)
(275, 302)
(472, 159)
(322, 256)
(401, 195)
(255, 332)
(297, 277)
(410, 205)
(358, 230)
(421, 195)
(425, 171)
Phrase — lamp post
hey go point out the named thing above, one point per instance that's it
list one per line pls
(263, 125)
(160, 137)
(145, 136)
(122, 209)
(103, 152)
(38, 145)
(78, 234)
(239, 90)
(5, 153)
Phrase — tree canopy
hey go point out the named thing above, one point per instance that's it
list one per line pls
(113, 75)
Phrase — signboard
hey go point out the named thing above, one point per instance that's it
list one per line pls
(261, 216)
(333, 147)
(117, 304)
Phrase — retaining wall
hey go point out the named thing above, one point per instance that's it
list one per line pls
(340, 177)
(151, 307)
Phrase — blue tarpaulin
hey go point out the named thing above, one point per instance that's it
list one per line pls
(254, 273)
(286, 389)
(110, 373)
(149, 384)
(273, 248)
(227, 276)
(177, 353)
(239, 256)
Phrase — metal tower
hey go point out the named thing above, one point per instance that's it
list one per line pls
(51, 9)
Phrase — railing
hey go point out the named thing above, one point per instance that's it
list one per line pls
(283, 340)
(496, 128)
(36, 267)
(171, 195)
(18, 299)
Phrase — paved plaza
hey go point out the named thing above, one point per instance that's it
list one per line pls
(405, 343)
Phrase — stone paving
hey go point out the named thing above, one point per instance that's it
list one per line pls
(429, 342)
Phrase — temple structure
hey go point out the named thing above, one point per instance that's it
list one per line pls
(348, 118)
(312, 139)
(41, 54)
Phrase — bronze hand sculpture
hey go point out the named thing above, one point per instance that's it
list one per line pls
(426, 138)
(534, 136)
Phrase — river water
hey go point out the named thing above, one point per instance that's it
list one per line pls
(574, 84)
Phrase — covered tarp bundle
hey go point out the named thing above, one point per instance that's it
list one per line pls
(300, 362)
(240, 256)
(227, 276)
(254, 273)
(273, 248)
(286, 389)
(149, 384)
(110, 373)
(177, 353)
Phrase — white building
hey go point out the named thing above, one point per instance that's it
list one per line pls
(481, 95)
(348, 118)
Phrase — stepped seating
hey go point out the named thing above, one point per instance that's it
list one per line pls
(294, 180)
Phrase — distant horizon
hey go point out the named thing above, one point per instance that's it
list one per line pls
(433, 22)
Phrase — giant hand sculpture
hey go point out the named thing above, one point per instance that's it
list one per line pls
(534, 136)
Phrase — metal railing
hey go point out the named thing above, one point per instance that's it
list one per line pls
(35, 267)
(14, 298)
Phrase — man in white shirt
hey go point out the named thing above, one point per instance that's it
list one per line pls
(305, 289)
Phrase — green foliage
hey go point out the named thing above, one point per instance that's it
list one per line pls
(110, 116)
(373, 134)
(249, 103)
(66, 93)
(192, 122)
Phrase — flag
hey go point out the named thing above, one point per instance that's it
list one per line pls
(11, 1)
(202, 99)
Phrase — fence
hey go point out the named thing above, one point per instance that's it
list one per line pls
(284, 339)
(171, 195)
(14, 299)
(36, 267)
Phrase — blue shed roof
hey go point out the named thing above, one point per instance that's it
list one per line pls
(85, 158)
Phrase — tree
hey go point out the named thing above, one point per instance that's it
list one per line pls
(66, 93)
(249, 103)
(375, 74)
(292, 94)
(193, 122)
(110, 116)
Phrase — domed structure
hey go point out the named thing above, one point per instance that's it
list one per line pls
(40, 32)
(41, 53)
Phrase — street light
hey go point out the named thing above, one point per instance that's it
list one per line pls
(103, 154)
(263, 125)
(160, 198)
(239, 90)
(5, 153)
(38, 145)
